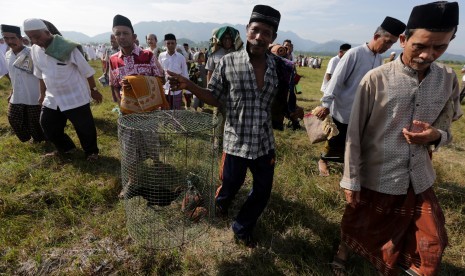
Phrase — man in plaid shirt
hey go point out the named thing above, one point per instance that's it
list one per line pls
(245, 83)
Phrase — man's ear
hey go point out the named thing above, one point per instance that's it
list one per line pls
(402, 40)
(275, 35)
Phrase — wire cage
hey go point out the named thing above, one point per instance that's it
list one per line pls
(168, 167)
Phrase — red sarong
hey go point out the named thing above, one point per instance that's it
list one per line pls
(397, 230)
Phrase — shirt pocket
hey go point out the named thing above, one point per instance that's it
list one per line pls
(62, 70)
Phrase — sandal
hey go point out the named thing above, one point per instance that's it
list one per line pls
(338, 266)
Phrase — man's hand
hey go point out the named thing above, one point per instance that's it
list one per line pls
(322, 112)
(125, 84)
(96, 96)
(421, 134)
(352, 197)
(177, 82)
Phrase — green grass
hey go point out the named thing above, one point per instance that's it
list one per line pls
(63, 217)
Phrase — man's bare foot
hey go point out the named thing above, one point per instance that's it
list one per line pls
(323, 167)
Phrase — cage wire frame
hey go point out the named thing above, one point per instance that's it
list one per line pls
(169, 174)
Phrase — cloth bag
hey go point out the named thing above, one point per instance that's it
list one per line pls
(314, 127)
(318, 130)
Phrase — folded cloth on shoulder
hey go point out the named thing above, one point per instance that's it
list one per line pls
(144, 95)
(61, 48)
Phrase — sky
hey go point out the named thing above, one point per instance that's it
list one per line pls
(317, 20)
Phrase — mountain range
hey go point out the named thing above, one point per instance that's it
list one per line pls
(198, 34)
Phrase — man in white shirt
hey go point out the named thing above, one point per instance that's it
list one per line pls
(173, 61)
(65, 78)
(340, 92)
(24, 109)
(332, 65)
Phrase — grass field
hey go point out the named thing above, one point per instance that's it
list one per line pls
(62, 216)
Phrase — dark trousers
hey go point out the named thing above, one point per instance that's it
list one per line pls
(234, 170)
(335, 147)
(53, 123)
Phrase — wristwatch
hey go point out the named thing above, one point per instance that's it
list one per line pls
(94, 89)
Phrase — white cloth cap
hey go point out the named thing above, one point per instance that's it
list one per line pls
(33, 24)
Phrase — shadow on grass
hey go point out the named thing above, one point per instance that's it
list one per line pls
(301, 237)
(451, 196)
(108, 126)
(290, 232)
(105, 167)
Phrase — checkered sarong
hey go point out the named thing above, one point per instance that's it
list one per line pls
(24, 119)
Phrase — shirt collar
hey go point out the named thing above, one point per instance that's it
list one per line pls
(365, 46)
(408, 69)
(135, 51)
(269, 58)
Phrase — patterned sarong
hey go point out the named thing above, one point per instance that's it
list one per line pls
(397, 230)
(146, 94)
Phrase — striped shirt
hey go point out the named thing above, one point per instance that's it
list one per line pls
(248, 132)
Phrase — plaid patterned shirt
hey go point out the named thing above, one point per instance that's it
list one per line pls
(248, 132)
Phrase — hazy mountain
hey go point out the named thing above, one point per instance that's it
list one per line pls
(197, 34)
(332, 47)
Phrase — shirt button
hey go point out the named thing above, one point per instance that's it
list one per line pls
(417, 104)
(413, 155)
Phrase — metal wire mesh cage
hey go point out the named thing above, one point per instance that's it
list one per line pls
(168, 169)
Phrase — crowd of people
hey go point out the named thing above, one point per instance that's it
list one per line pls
(391, 117)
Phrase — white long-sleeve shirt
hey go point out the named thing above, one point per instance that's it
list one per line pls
(175, 63)
(340, 92)
(329, 70)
